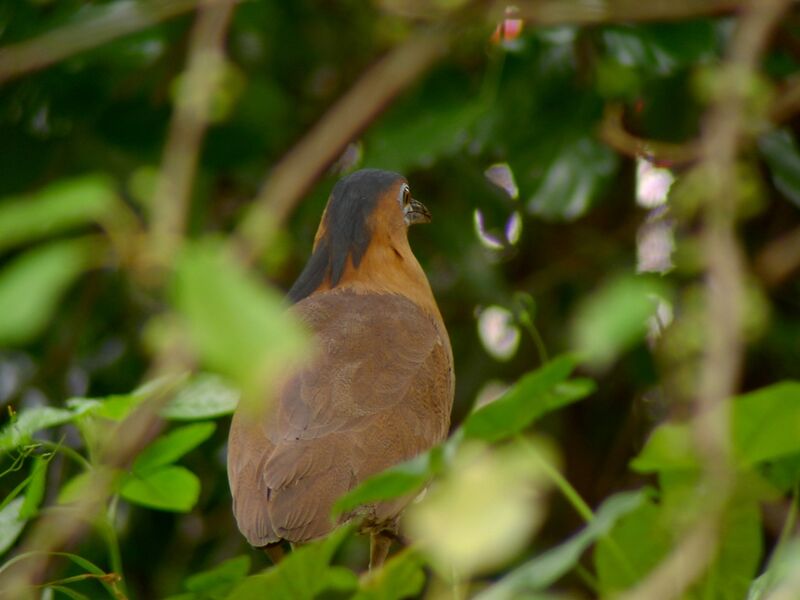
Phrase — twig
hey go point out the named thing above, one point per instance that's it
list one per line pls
(721, 363)
(571, 12)
(305, 163)
(108, 23)
(187, 128)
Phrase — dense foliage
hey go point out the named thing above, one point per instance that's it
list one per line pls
(615, 246)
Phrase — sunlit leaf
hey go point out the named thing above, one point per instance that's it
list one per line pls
(401, 577)
(239, 327)
(32, 284)
(534, 395)
(669, 447)
(171, 446)
(547, 568)
(205, 396)
(304, 574)
(10, 524)
(58, 207)
(614, 318)
(28, 422)
(170, 488)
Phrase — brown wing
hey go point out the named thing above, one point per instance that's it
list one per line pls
(379, 392)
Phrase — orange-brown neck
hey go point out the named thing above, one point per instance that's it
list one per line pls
(389, 267)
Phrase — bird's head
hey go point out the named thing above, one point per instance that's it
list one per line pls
(368, 209)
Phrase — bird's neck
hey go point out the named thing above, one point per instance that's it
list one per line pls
(391, 268)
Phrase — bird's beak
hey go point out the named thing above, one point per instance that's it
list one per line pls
(416, 212)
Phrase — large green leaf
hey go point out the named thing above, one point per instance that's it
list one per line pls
(536, 394)
(765, 427)
(205, 396)
(36, 487)
(58, 207)
(32, 284)
(546, 569)
(239, 327)
(170, 488)
(303, 575)
(171, 446)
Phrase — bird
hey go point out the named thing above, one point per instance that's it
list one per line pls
(378, 390)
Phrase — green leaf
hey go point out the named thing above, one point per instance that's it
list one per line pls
(219, 581)
(400, 480)
(780, 151)
(669, 447)
(240, 327)
(546, 569)
(171, 446)
(31, 286)
(534, 395)
(206, 396)
(19, 431)
(35, 493)
(73, 489)
(579, 170)
(169, 488)
(304, 574)
(401, 577)
(10, 524)
(766, 423)
(614, 318)
(782, 566)
(58, 207)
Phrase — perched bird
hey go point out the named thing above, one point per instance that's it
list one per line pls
(378, 390)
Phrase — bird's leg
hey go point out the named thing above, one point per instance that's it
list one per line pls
(274, 552)
(379, 543)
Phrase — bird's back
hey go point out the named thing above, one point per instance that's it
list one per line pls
(378, 391)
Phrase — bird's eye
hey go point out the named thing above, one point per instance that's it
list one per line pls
(405, 196)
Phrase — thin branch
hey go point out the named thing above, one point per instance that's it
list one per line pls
(306, 162)
(721, 362)
(187, 128)
(107, 23)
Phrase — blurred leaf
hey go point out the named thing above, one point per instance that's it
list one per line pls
(28, 422)
(35, 492)
(171, 446)
(32, 284)
(669, 447)
(58, 207)
(239, 326)
(406, 478)
(170, 488)
(784, 564)
(74, 488)
(205, 396)
(304, 574)
(662, 48)
(10, 524)
(534, 395)
(779, 149)
(766, 423)
(614, 318)
(547, 568)
(579, 170)
(216, 583)
(401, 577)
